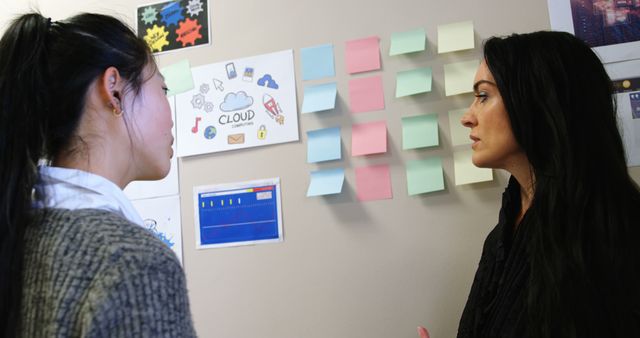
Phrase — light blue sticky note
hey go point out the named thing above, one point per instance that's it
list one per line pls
(319, 97)
(178, 77)
(414, 81)
(323, 145)
(424, 176)
(326, 182)
(317, 62)
(420, 131)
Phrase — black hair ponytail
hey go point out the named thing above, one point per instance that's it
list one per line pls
(24, 99)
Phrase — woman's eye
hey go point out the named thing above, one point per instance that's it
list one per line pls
(482, 96)
(166, 90)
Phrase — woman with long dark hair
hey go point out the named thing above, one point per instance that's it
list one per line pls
(84, 99)
(564, 259)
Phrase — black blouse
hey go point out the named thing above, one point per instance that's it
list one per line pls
(496, 304)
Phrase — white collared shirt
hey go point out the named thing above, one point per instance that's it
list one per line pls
(76, 189)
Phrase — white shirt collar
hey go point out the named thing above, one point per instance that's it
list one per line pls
(76, 189)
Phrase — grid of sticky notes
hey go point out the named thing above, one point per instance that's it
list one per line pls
(365, 91)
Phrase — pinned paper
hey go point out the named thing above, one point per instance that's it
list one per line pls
(424, 176)
(407, 42)
(373, 183)
(458, 77)
(326, 182)
(459, 133)
(413, 81)
(466, 172)
(178, 77)
(323, 145)
(319, 97)
(317, 62)
(363, 55)
(369, 138)
(366, 94)
(420, 131)
(455, 36)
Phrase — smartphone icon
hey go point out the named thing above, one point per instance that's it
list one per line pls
(231, 71)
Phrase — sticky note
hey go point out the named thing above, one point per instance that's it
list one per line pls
(317, 62)
(178, 77)
(326, 182)
(455, 36)
(458, 77)
(407, 42)
(420, 131)
(362, 55)
(466, 172)
(369, 138)
(373, 183)
(323, 145)
(424, 176)
(366, 94)
(413, 81)
(459, 133)
(319, 97)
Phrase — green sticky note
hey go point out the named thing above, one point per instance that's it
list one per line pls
(178, 77)
(407, 42)
(413, 81)
(420, 131)
(424, 176)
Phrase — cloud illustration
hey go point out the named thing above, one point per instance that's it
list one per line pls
(236, 101)
(268, 81)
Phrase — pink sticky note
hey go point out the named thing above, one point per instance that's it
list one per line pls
(373, 183)
(363, 55)
(369, 138)
(366, 94)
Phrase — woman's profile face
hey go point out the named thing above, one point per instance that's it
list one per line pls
(494, 145)
(151, 129)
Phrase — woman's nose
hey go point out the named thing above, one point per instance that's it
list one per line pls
(467, 119)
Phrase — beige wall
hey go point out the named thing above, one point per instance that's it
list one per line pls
(346, 269)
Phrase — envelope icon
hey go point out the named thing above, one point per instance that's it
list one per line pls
(235, 139)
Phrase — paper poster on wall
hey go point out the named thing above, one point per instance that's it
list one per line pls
(628, 104)
(238, 104)
(610, 27)
(164, 187)
(162, 217)
(171, 25)
(236, 214)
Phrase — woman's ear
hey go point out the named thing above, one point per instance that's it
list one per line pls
(111, 89)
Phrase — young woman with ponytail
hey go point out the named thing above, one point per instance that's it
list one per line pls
(564, 259)
(84, 99)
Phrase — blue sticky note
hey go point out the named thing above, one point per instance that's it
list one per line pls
(326, 182)
(319, 97)
(323, 145)
(317, 62)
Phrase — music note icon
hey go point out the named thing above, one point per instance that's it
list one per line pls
(194, 129)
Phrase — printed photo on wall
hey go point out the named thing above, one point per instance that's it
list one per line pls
(171, 25)
(611, 27)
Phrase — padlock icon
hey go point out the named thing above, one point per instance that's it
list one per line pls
(262, 132)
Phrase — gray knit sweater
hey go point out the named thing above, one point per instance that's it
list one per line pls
(91, 273)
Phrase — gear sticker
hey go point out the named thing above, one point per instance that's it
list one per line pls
(156, 38)
(172, 13)
(188, 32)
(149, 15)
(194, 7)
(197, 101)
(208, 107)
